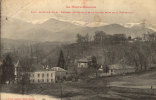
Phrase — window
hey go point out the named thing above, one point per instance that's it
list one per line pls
(47, 75)
(51, 74)
(51, 80)
(64, 77)
(42, 80)
(38, 80)
(47, 80)
(33, 81)
(38, 75)
(58, 77)
(42, 75)
(111, 70)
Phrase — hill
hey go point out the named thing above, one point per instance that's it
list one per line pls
(56, 30)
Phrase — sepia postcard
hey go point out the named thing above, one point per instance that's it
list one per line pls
(78, 50)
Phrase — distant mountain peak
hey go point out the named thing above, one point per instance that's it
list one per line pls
(63, 30)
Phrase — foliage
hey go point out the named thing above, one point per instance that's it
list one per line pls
(81, 39)
(7, 69)
(111, 49)
(107, 49)
(61, 61)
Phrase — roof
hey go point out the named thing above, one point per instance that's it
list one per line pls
(39, 68)
(42, 71)
(85, 60)
(57, 69)
(120, 66)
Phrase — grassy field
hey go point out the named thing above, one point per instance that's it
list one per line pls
(127, 87)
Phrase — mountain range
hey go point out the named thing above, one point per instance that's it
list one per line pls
(56, 30)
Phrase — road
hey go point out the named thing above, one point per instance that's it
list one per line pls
(11, 96)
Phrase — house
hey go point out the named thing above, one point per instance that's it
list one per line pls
(41, 76)
(117, 69)
(52, 75)
(18, 72)
(82, 63)
(60, 73)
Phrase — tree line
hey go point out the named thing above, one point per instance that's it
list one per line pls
(117, 48)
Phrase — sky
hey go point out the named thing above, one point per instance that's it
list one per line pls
(22, 9)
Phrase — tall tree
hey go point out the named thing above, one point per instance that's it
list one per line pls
(61, 61)
(7, 69)
(79, 38)
(94, 64)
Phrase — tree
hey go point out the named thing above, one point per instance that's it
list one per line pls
(99, 36)
(86, 38)
(152, 36)
(117, 38)
(107, 69)
(94, 64)
(79, 38)
(26, 63)
(7, 70)
(129, 38)
(82, 39)
(61, 61)
(25, 81)
(139, 55)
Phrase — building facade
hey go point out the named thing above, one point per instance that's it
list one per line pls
(42, 77)
(53, 75)
(83, 63)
